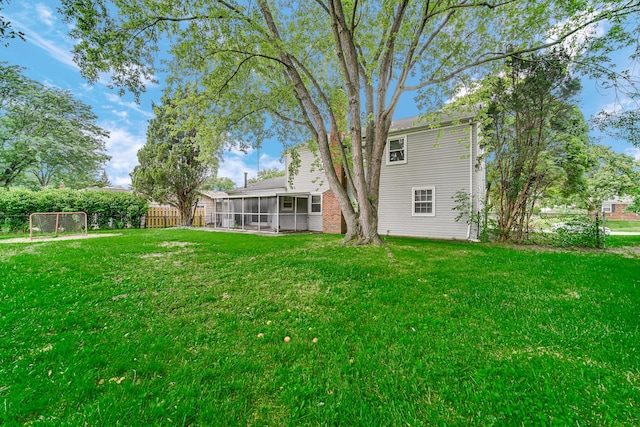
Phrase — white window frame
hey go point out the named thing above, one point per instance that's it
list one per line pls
(311, 212)
(414, 201)
(283, 202)
(402, 138)
(607, 207)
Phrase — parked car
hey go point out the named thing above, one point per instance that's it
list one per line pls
(577, 227)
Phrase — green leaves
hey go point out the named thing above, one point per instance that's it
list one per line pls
(272, 68)
(611, 174)
(46, 133)
(171, 167)
(105, 208)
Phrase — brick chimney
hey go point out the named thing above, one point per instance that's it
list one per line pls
(332, 219)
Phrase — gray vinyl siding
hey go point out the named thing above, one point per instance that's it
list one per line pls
(438, 158)
(315, 218)
(208, 204)
(310, 176)
(315, 222)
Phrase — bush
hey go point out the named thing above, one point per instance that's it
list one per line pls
(105, 209)
(578, 232)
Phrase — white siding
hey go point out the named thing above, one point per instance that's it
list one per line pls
(310, 176)
(437, 158)
(315, 218)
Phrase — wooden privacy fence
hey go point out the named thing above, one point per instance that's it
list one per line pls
(161, 217)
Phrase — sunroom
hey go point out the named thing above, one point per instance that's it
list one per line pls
(270, 213)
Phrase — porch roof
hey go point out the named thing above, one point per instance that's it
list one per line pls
(263, 194)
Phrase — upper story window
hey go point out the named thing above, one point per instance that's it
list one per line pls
(423, 201)
(397, 150)
(316, 203)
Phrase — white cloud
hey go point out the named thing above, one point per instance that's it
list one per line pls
(235, 164)
(634, 152)
(122, 114)
(618, 106)
(57, 50)
(45, 15)
(576, 43)
(86, 87)
(235, 150)
(113, 98)
(123, 147)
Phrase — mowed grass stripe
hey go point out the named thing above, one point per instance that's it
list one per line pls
(159, 327)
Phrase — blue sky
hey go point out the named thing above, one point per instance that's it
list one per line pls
(47, 56)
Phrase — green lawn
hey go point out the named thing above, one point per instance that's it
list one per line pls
(161, 327)
(620, 225)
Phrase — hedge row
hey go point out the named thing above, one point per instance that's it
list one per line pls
(105, 209)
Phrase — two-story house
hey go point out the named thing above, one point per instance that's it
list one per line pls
(425, 166)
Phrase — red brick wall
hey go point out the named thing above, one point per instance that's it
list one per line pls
(332, 219)
(619, 212)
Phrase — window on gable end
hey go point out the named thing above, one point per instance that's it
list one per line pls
(397, 150)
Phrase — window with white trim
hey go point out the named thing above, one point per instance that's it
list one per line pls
(286, 203)
(607, 207)
(316, 203)
(423, 203)
(397, 150)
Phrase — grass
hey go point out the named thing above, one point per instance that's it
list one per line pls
(160, 327)
(622, 225)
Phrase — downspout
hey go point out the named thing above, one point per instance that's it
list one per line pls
(277, 213)
(470, 179)
(295, 214)
(242, 214)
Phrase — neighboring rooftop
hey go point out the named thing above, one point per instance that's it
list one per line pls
(277, 183)
(117, 188)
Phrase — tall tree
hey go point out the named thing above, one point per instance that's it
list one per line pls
(533, 134)
(267, 174)
(45, 132)
(171, 168)
(304, 68)
(103, 179)
(221, 183)
(609, 175)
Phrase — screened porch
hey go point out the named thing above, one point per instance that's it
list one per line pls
(269, 213)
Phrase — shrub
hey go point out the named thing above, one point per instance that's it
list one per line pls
(578, 232)
(105, 209)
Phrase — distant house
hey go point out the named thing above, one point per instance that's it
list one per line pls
(423, 169)
(617, 209)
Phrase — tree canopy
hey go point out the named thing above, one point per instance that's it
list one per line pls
(219, 183)
(172, 169)
(609, 175)
(267, 174)
(46, 134)
(301, 69)
(6, 29)
(534, 136)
